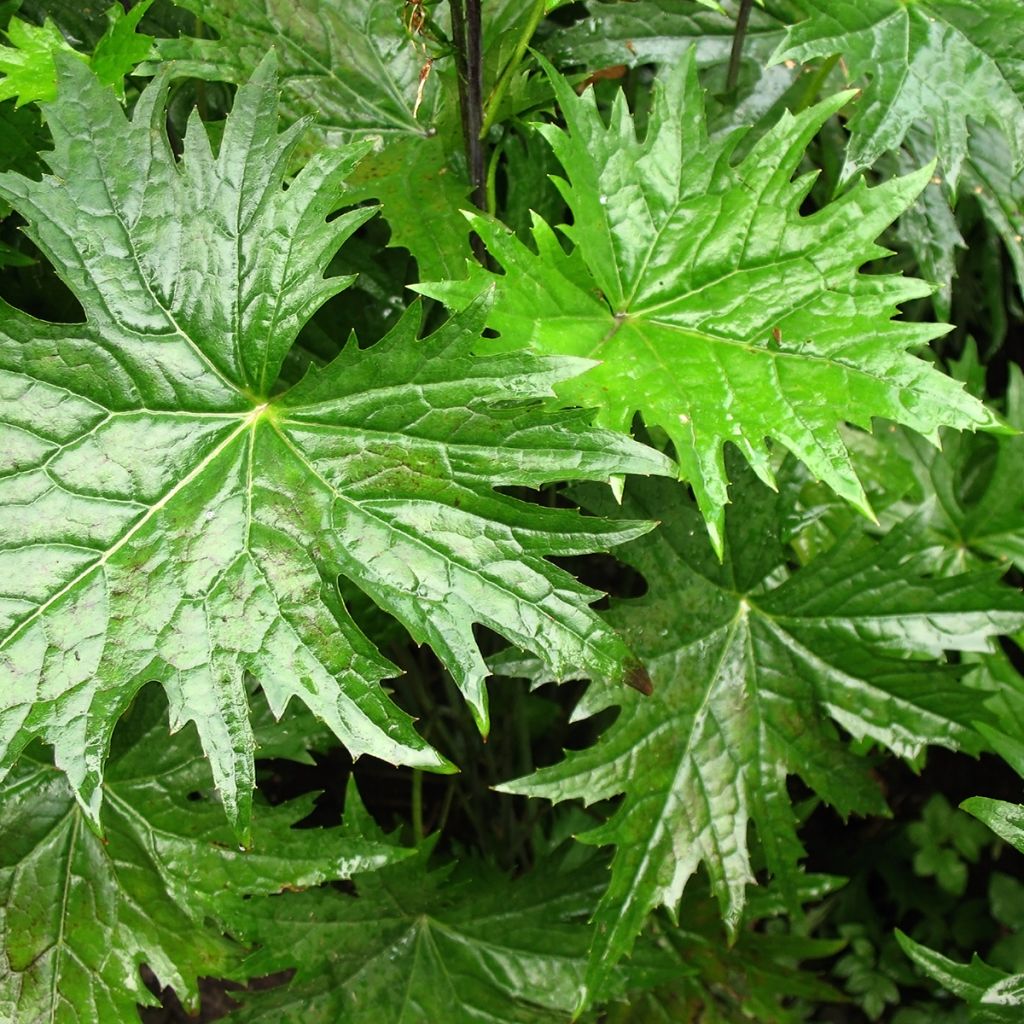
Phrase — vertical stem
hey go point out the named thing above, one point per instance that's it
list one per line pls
(467, 35)
(510, 69)
(475, 101)
(461, 75)
(737, 44)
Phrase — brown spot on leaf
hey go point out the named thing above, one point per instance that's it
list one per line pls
(637, 677)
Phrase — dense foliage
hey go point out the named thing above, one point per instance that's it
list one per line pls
(626, 627)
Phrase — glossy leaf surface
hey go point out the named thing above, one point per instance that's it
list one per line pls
(1005, 819)
(717, 310)
(80, 913)
(993, 996)
(661, 32)
(168, 516)
(751, 666)
(917, 58)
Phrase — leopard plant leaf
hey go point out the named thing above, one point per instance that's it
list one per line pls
(752, 666)
(716, 308)
(167, 514)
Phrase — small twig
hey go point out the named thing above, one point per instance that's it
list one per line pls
(737, 44)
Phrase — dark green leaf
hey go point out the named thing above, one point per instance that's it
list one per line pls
(81, 913)
(750, 667)
(918, 58)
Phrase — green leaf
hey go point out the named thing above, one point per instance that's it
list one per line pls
(354, 67)
(80, 913)
(994, 996)
(661, 32)
(187, 524)
(717, 310)
(750, 666)
(457, 943)
(946, 843)
(120, 48)
(989, 176)
(1005, 819)
(918, 58)
(760, 977)
(970, 490)
(28, 65)
(928, 228)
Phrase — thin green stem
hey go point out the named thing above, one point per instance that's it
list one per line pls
(492, 179)
(509, 71)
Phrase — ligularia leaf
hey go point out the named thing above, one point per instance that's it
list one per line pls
(751, 667)
(716, 309)
(934, 61)
(168, 515)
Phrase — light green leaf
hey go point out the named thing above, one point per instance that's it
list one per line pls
(750, 667)
(187, 523)
(79, 914)
(27, 64)
(717, 310)
(28, 68)
(940, 61)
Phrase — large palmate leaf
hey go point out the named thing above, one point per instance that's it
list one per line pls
(940, 61)
(750, 669)
(419, 945)
(718, 310)
(166, 516)
(79, 914)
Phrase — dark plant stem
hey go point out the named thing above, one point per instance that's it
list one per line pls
(737, 44)
(467, 31)
(475, 98)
